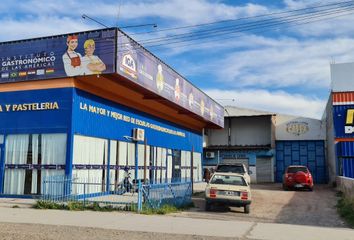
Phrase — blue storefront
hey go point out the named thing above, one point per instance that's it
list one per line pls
(83, 126)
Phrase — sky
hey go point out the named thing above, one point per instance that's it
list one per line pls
(282, 70)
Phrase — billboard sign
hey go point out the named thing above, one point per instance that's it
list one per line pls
(143, 68)
(343, 118)
(84, 53)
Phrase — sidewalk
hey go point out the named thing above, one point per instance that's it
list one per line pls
(167, 224)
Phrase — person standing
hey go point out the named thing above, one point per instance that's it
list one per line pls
(71, 59)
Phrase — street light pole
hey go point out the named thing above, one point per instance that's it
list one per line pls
(84, 16)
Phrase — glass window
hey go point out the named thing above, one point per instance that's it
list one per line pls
(27, 160)
(230, 168)
(89, 159)
(297, 169)
(228, 180)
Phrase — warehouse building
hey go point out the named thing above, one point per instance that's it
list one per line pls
(248, 138)
(90, 105)
(267, 143)
(339, 117)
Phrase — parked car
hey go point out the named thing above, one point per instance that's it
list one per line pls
(230, 189)
(297, 177)
(234, 168)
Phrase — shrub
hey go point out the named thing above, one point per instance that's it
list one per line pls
(345, 207)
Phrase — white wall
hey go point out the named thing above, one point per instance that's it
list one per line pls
(342, 76)
(330, 147)
(298, 128)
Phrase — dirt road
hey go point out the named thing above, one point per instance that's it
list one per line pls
(273, 205)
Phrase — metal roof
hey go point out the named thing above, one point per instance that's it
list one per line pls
(231, 111)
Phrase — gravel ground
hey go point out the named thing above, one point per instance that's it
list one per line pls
(10, 231)
(270, 204)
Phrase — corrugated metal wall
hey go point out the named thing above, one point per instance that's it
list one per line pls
(245, 131)
(308, 153)
(218, 137)
(348, 167)
(251, 131)
(343, 98)
(345, 153)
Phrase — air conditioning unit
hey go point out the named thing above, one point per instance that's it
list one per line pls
(209, 154)
(138, 134)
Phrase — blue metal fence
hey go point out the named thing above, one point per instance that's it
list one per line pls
(176, 194)
(125, 195)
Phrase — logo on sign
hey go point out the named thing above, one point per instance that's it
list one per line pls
(128, 66)
(13, 74)
(297, 128)
(349, 128)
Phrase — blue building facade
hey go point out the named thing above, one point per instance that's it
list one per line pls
(62, 119)
(63, 115)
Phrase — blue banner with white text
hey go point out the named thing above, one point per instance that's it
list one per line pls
(76, 54)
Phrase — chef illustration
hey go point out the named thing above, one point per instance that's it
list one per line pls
(191, 99)
(177, 90)
(71, 59)
(202, 107)
(92, 64)
(160, 80)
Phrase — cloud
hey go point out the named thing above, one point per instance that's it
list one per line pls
(39, 27)
(196, 11)
(271, 101)
(276, 63)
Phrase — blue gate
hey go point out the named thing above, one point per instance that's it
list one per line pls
(308, 153)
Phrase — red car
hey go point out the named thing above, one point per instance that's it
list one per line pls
(297, 177)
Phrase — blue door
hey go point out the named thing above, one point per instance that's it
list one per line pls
(307, 153)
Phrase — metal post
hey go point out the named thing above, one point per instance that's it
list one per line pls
(108, 166)
(140, 192)
(84, 194)
(218, 156)
(2, 164)
(192, 167)
(136, 161)
(145, 155)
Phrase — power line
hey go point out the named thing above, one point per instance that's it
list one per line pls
(243, 18)
(234, 36)
(270, 24)
(249, 28)
(233, 27)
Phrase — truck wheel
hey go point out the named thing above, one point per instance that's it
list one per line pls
(246, 208)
